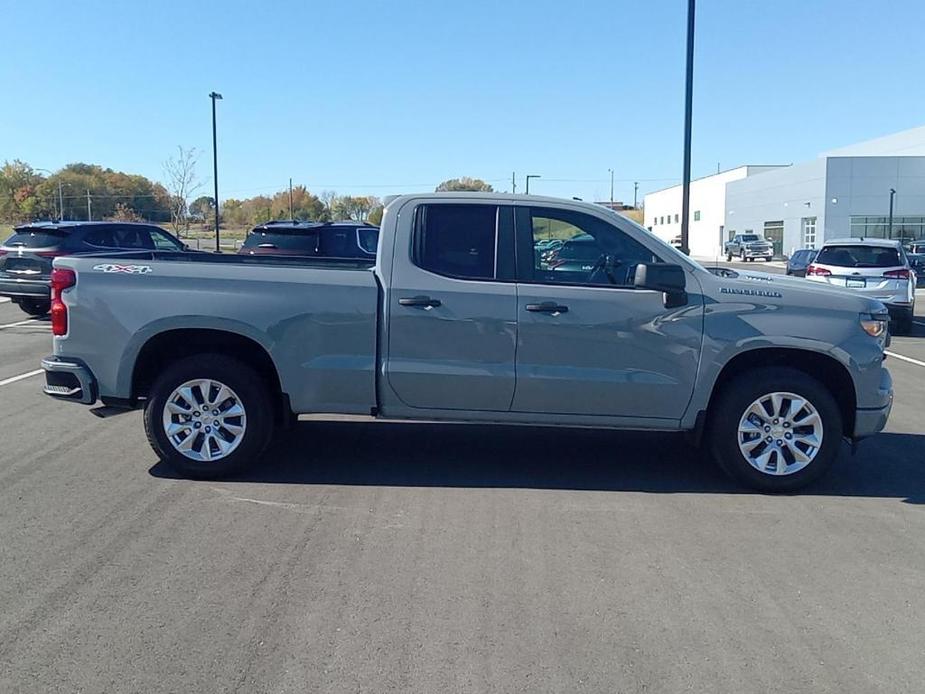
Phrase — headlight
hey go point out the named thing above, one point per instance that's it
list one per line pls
(873, 326)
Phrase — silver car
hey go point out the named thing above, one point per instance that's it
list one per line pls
(877, 268)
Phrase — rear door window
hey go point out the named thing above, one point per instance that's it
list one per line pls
(295, 241)
(859, 256)
(457, 240)
(368, 238)
(35, 238)
(164, 242)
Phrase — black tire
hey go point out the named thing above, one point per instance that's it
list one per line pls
(251, 392)
(729, 257)
(737, 396)
(35, 307)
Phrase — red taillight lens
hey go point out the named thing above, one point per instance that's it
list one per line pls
(61, 279)
(818, 271)
(897, 274)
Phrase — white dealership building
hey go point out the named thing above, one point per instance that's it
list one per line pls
(844, 192)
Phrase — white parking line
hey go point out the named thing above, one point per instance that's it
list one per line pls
(18, 323)
(20, 377)
(908, 359)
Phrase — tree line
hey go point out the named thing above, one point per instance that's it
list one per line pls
(89, 191)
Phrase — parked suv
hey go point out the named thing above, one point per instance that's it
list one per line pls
(877, 268)
(26, 256)
(316, 239)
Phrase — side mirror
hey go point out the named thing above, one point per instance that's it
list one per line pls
(663, 277)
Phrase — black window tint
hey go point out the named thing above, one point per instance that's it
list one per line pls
(592, 251)
(162, 241)
(102, 237)
(859, 256)
(302, 241)
(36, 238)
(369, 239)
(133, 238)
(339, 242)
(457, 240)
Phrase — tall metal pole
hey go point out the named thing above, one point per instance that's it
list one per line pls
(635, 193)
(529, 176)
(290, 199)
(215, 96)
(688, 108)
(889, 233)
(89, 215)
(611, 188)
(513, 182)
(60, 202)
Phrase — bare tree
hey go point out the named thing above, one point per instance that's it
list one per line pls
(328, 198)
(182, 183)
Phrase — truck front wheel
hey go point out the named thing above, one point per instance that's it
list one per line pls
(208, 415)
(775, 429)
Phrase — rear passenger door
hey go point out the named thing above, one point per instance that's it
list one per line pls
(453, 309)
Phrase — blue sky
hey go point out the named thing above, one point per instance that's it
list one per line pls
(382, 98)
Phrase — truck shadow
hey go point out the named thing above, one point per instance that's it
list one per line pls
(449, 455)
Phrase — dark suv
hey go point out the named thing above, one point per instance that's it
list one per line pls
(25, 257)
(318, 239)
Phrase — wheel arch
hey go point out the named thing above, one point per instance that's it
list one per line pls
(824, 368)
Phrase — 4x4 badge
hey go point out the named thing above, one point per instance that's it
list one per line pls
(127, 269)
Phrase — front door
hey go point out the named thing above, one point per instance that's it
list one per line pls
(588, 342)
(453, 310)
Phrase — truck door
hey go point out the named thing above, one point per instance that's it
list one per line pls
(588, 342)
(453, 308)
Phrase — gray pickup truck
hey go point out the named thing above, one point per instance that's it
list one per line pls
(462, 319)
(749, 247)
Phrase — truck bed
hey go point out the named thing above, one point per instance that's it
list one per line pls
(315, 318)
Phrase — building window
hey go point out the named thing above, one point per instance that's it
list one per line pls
(676, 219)
(904, 228)
(696, 215)
(808, 226)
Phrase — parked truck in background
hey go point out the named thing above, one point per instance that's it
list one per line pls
(459, 319)
(748, 247)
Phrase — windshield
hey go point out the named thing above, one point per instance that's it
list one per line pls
(859, 256)
(750, 237)
(35, 238)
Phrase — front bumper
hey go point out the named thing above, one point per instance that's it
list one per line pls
(756, 253)
(69, 380)
(30, 289)
(871, 420)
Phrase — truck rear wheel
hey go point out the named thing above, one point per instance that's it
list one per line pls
(208, 415)
(35, 307)
(775, 429)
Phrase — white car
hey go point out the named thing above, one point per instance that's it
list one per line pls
(877, 268)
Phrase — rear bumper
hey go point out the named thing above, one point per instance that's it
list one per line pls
(69, 380)
(29, 289)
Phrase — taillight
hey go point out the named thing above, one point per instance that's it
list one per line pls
(61, 279)
(50, 254)
(818, 271)
(902, 274)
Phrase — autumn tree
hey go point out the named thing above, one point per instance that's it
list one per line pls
(465, 184)
(182, 182)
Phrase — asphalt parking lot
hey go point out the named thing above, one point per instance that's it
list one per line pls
(419, 558)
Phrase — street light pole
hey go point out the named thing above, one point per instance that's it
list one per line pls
(215, 96)
(889, 232)
(290, 199)
(529, 176)
(635, 193)
(611, 188)
(688, 108)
